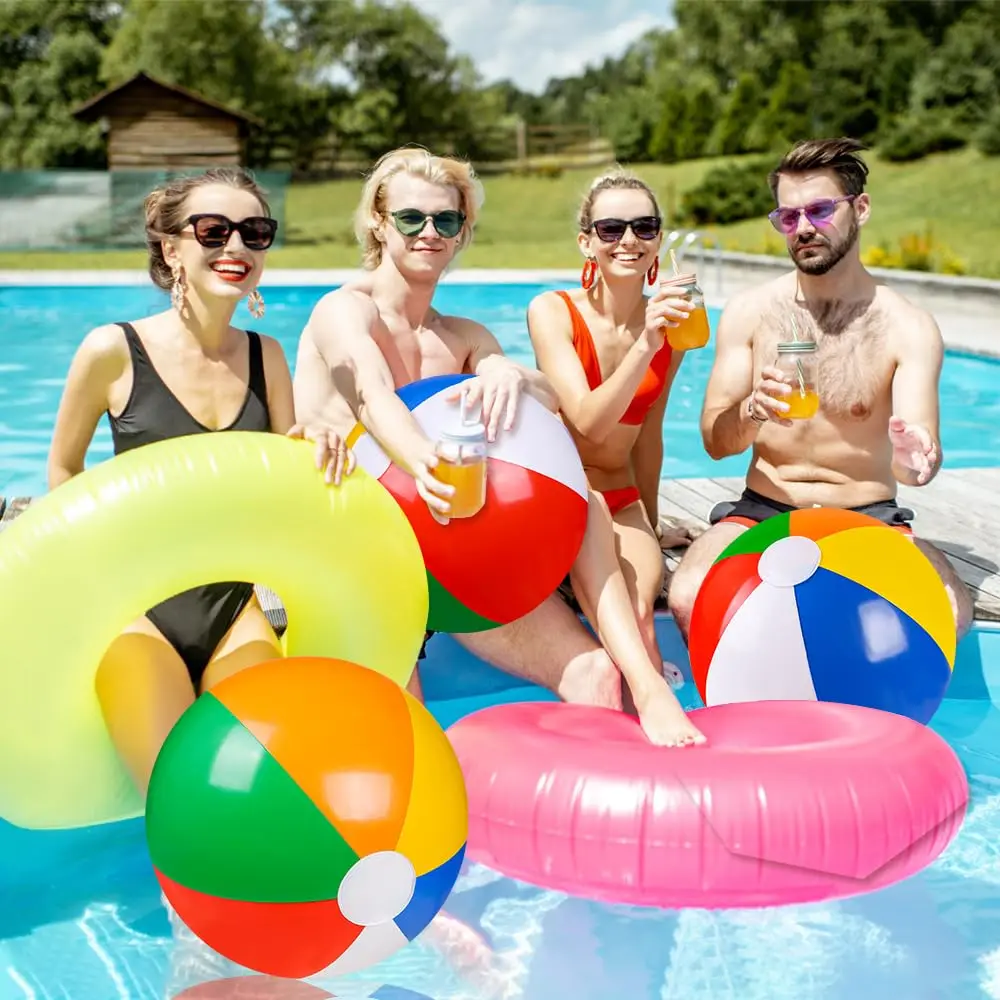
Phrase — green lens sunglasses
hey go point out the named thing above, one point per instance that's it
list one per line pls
(411, 221)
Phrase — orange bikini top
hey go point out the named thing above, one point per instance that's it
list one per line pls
(652, 382)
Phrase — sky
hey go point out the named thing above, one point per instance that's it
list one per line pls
(531, 41)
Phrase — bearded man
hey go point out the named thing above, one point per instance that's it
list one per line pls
(878, 360)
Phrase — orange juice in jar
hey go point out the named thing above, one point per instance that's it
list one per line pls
(797, 361)
(461, 453)
(693, 332)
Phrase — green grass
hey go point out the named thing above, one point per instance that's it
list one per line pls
(528, 222)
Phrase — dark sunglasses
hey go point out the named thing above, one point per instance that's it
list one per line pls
(411, 222)
(611, 230)
(819, 213)
(213, 231)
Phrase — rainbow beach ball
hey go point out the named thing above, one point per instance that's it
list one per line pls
(824, 604)
(502, 563)
(305, 815)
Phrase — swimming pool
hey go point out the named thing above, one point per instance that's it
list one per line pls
(82, 917)
(41, 326)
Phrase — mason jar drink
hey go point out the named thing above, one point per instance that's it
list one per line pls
(693, 332)
(461, 453)
(798, 363)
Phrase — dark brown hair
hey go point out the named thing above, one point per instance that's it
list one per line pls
(165, 214)
(615, 180)
(839, 155)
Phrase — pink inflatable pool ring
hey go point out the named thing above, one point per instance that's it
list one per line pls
(788, 802)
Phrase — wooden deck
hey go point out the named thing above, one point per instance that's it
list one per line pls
(959, 513)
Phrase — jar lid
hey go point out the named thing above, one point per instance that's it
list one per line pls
(796, 346)
(465, 432)
(680, 279)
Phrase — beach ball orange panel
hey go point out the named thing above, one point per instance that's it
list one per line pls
(306, 814)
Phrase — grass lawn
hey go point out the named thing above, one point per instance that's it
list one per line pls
(529, 222)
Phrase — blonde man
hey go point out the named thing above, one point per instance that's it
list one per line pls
(380, 332)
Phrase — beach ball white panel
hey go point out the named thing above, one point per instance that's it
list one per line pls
(538, 441)
(374, 944)
(761, 655)
(370, 455)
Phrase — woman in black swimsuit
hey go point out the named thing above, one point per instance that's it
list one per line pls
(185, 371)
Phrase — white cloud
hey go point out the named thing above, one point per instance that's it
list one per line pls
(531, 41)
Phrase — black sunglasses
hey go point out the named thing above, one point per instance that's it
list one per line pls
(647, 227)
(411, 221)
(213, 231)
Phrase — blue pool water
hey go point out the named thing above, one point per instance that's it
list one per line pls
(40, 328)
(82, 918)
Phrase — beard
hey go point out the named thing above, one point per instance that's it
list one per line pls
(823, 255)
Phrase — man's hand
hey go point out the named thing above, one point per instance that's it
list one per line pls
(913, 448)
(430, 489)
(333, 457)
(499, 383)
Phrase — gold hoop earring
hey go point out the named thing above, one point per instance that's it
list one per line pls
(255, 303)
(177, 290)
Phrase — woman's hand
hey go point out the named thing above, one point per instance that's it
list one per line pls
(332, 455)
(665, 309)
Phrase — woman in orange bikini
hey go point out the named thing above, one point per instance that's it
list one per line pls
(604, 351)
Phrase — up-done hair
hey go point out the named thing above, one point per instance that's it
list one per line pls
(166, 214)
(444, 170)
(615, 180)
(842, 156)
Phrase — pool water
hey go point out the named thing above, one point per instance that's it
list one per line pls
(82, 916)
(41, 327)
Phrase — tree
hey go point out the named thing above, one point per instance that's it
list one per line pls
(50, 56)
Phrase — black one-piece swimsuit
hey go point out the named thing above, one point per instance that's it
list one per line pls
(195, 621)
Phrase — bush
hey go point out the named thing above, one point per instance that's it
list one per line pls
(729, 193)
(915, 252)
(914, 136)
(988, 134)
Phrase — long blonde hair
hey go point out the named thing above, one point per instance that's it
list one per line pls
(444, 170)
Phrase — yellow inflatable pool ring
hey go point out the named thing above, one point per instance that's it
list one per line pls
(85, 560)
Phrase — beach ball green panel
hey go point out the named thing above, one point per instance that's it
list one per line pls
(759, 538)
(225, 818)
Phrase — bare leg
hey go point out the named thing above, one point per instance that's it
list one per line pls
(641, 560)
(551, 647)
(693, 569)
(958, 593)
(143, 687)
(604, 596)
(250, 641)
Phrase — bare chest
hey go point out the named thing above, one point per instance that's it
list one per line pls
(611, 344)
(212, 390)
(414, 354)
(853, 363)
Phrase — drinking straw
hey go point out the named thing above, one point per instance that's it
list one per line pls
(798, 363)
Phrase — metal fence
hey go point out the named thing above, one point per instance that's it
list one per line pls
(94, 210)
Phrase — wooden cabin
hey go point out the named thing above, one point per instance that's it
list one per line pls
(154, 125)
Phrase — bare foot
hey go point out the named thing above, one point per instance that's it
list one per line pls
(592, 679)
(663, 720)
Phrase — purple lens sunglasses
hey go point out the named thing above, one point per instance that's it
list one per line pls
(819, 213)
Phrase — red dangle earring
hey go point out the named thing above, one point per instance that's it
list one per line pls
(653, 271)
(589, 273)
